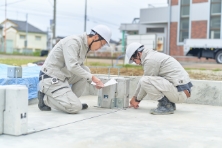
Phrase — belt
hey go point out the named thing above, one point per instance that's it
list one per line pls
(43, 76)
(187, 93)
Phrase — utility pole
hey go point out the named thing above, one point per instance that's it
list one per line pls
(85, 15)
(168, 30)
(5, 25)
(54, 23)
(26, 31)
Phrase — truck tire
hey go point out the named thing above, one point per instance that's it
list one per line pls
(218, 57)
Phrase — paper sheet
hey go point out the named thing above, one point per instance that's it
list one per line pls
(110, 82)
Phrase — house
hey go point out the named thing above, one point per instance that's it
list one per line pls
(1, 39)
(180, 20)
(16, 37)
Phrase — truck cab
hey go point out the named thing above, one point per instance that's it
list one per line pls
(208, 48)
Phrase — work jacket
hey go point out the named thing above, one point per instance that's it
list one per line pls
(159, 64)
(67, 58)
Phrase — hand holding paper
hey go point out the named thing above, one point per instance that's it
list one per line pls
(110, 82)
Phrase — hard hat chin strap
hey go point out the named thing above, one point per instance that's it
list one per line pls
(100, 38)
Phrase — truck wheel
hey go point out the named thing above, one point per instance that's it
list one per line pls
(219, 57)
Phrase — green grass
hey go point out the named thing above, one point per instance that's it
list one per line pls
(17, 62)
(217, 69)
(195, 69)
(132, 66)
(97, 64)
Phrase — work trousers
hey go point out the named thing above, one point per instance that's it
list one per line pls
(61, 96)
(158, 87)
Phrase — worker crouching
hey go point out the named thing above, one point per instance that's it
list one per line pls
(164, 79)
(64, 67)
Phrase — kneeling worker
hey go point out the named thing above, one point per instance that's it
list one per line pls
(164, 79)
(64, 67)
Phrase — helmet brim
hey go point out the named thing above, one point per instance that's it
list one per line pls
(130, 61)
(107, 43)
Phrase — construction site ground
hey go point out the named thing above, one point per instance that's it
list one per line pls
(191, 126)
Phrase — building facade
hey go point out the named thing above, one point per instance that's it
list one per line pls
(180, 20)
(22, 37)
(1, 38)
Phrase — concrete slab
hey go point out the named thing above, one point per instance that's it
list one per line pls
(192, 125)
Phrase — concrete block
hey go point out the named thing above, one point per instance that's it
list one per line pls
(106, 95)
(114, 96)
(14, 72)
(16, 110)
(2, 107)
(206, 92)
(203, 92)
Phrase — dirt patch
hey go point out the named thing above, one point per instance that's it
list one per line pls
(194, 74)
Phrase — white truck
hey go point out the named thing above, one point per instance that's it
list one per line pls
(208, 48)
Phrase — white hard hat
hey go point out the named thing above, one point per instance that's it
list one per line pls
(104, 32)
(131, 48)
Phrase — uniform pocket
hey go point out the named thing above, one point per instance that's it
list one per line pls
(60, 91)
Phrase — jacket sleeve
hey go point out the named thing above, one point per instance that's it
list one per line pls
(137, 90)
(71, 56)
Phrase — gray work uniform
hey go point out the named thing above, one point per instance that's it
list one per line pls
(65, 62)
(163, 76)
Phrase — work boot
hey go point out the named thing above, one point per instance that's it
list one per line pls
(173, 104)
(41, 104)
(84, 106)
(164, 107)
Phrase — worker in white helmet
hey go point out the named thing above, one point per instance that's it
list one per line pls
(64, 66)
(164, 79)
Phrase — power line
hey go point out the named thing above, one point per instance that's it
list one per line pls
(66, 16)
(50, 3)
(12, 3)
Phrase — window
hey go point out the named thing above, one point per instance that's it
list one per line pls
(155, 30)
(215, 19)
(22, 36)
(184, 20)
(37, 38)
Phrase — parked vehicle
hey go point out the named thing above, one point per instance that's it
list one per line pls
(208, 48)
(44, 53)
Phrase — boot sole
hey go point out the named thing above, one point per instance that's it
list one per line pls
(161, 113)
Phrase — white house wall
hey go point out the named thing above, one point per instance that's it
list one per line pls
(32, 42)
(161, 15)
(11, 35)
(199, 11)
(174, 13)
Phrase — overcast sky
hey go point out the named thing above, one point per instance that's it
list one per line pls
(70, 13)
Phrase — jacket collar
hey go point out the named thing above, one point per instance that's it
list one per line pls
(85, 40)
(145, 53)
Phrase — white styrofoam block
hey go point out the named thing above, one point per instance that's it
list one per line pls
(16, 110)
(2, 107)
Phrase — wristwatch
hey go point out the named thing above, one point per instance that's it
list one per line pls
(137, 100)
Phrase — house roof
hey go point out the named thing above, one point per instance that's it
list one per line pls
(113, 42)
(21, 26)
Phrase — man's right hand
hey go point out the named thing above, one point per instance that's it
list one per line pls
(99, 83)
(134, 103)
